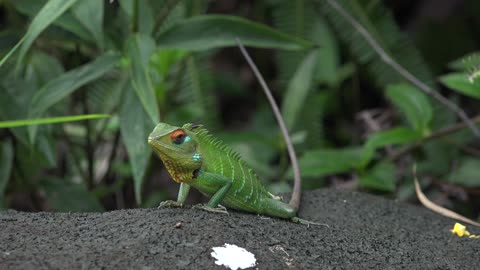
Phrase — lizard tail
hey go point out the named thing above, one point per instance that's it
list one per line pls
(297, 185)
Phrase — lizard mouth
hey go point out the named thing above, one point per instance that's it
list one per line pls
(162, 147)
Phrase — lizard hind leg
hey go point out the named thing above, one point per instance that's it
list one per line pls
(275, 208)
(280, 209)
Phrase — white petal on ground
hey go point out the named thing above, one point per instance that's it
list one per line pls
(233, 257)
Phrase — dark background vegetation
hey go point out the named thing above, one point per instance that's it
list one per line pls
(356, 123)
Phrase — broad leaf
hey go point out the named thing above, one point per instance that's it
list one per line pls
(213, 31)
(140, 48)
(12, 107)
(317, 163)
(470, 60)
(381, 177)
(144, 19)
(298, 89)
(66, 21)
(6, 162)
(90, 14)
(49, 13)
(164, 60)
(328, 54)
(135, 126)
(460, 83)
(50, 120)
(67, 83)
(383, 138)
(467, 174)
(437, 158)
(414, 105)
(65, 196)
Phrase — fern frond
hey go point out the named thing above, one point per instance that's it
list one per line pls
(295, 18)
(196, 91)
(380, 23)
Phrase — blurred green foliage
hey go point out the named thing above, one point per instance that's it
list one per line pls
(143, 61)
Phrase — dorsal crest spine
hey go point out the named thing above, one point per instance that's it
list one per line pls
(206, 138)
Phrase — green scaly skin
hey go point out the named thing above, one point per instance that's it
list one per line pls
(196, 159)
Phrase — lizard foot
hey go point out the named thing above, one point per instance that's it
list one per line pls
(219, 209)
(170, 204)
(307, 222)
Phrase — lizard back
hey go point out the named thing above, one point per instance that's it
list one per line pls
(247, 192)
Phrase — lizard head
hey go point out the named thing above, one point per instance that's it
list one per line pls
(177, 148)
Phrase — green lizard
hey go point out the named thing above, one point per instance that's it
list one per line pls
(194, 158)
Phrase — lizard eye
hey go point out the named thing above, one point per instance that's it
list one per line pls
(178, 136)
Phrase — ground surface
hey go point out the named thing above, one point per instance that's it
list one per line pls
(366, 232)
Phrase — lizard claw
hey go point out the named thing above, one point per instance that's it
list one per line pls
(219, 209)
(170, 204)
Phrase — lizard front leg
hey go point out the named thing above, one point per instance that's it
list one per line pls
(182, 196)
(219, 185)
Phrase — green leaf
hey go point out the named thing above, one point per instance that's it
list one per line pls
(381, 177)
(213, 31)
(460, 83)
(64, 85)
(328, 54)
(5, 58)
(399, 135)
(298, 89)
(465, 62)
(198, 83)
(135, 126)
(144, 17)
(6, 162)
(140, 48)
(380, 23)
(164, 60)
(90, 14)
(49, 13)
(317, 163)
(295, 18)
(437, 158)
(467, 173)
(66, 21)
(65, 196)
(44, 68)
(50, 120)
(414, 104)
(61, 87)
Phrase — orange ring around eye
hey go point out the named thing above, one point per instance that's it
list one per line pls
(177, 133)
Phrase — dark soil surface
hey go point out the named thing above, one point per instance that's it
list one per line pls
(366, 232)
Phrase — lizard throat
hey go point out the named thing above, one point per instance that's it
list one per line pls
(176, 172)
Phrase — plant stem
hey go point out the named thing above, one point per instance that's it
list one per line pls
(297, 185)
(135, 16)
(401, 70)
(111, 157)
(436, 135)
(89, 145)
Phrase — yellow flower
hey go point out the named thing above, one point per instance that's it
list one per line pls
(460, 230)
